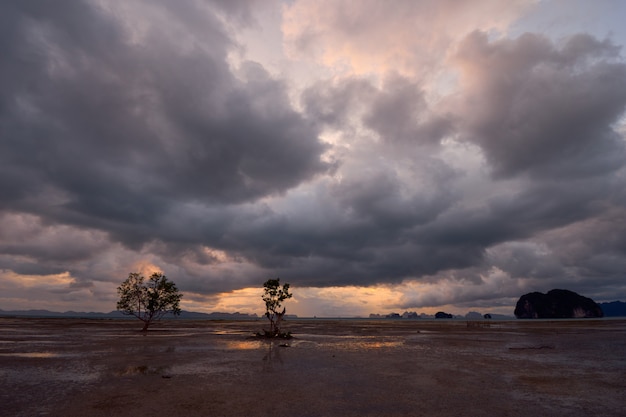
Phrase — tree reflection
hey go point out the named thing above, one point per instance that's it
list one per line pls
(273, 357)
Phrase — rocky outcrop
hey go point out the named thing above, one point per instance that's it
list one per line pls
(556, 304)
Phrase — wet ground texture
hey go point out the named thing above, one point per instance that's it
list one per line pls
(75, 367)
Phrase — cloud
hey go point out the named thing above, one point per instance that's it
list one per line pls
(114, 130)
(55, 292)
(400, 113)
(396, 112)
(25, 234)
(439, 160)
(543, 109)
(370, 36)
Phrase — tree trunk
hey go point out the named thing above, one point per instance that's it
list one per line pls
(278, 320)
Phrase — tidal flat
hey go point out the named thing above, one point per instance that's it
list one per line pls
(79, 367)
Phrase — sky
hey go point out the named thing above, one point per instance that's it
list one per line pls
(379, 156)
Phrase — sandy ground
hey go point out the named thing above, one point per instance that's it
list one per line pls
(72, 367)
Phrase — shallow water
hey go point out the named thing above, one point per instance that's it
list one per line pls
(66, 366)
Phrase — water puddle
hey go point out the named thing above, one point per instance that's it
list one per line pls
(365, 345)
(201, 369)
(34, 355)
(347, 342)
(245, 344)
(228, 332)
(143, 370)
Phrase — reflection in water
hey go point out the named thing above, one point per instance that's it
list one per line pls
(272, 357)
(244, 344)
(353, 342)
(32, 355)
(379, 345)
(316, 342)
(228, 332)
(143, 370)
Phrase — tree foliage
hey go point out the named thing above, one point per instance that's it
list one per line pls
(148, 301)
(274, 294)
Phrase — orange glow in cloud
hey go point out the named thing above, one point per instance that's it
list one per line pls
(245, 300)
(351, 301)
(219, 255)
(408, 37)
(53, 281)
(145, 267)
(54, 292)
(308, 302)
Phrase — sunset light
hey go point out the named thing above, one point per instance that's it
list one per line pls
(381, 157)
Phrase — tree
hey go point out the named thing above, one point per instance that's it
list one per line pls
(148, 301)
(274, 295)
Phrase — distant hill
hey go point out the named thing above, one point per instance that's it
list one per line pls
(556, 304)
(118, 315)
(614, 309)
(48, 313)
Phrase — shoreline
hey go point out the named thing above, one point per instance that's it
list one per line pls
(333, 367)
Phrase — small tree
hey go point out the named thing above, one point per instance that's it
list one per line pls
(148, 301)
(274, 294)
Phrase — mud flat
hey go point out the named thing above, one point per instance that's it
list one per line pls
(74, 367)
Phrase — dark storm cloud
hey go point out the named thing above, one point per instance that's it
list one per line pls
(537, 108)
(377, 198)
(397, 112)
(359, 231)
(350, 232)
(586, 256)
(103, 130)
(541, 112)
(62, 244)
(129, 135)
(595, 247)
(379, 227)
(400, 113)
(519, 215)
(31, 246)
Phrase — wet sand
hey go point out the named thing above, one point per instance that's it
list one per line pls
(75, 367)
